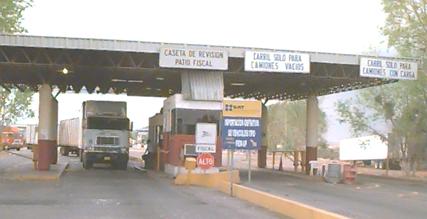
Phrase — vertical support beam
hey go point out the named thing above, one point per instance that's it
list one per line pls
(312, 130)
(262, 152)
(47, 127)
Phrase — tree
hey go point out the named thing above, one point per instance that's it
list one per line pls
(11, 15)
(400, 107)
(14, 103)
(287, 125)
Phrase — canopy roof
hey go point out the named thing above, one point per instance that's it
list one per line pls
(132, 67)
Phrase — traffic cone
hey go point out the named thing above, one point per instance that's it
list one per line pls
(280, 164)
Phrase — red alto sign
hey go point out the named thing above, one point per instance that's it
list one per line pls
(205, 161)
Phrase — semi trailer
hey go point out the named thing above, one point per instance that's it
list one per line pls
(31, 135)
(101, 134)
(68, 137)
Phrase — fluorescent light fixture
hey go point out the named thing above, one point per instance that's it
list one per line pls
(118, 80)
(135, 81)
(160, 78)
(124, 81)
(238, 84)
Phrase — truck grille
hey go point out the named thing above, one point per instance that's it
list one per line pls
(107, 140)
(107, 149)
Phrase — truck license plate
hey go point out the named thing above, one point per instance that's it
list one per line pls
(107, 158)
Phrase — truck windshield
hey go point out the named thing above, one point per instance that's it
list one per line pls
(107, 123)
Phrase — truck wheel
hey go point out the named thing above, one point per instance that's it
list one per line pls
(120, 164)
(123, 164)
(18, 149)
(81, 155)
(87, 163)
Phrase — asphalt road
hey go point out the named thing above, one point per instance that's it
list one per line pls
(368, 198)
(106, 193)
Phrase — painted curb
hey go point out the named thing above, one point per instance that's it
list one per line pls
(263, 199)
(32, 177)
(278, 204)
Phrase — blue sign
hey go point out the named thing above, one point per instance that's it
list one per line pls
(241, 133)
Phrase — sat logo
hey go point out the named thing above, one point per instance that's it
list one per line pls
(230, 107)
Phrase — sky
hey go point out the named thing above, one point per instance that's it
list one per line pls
(336, 26)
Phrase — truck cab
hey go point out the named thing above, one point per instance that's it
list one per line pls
(12, 138)
(105, 134)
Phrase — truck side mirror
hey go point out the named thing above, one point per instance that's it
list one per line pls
(131, 126)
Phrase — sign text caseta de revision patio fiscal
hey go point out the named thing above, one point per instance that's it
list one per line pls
(200, 58)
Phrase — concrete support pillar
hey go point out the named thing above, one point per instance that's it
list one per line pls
(47, 134)
(312, 130)
(262, 153)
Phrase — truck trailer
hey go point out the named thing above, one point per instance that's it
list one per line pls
(31, 135)
(68, 137)
(101, 134)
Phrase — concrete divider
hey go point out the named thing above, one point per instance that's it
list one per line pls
(211, 180)
(277, 204)
(269, 201)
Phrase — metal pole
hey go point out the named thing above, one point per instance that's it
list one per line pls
(158, 158)
(230, 176)
(387, 166)
(249, 168)
(232, 166)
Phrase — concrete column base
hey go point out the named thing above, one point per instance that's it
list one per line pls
(45, 154)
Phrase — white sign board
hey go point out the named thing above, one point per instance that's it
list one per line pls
(193, 58)
(363, 148)
(206, 134)
(205, 148)
(277, 62)
(388, 68)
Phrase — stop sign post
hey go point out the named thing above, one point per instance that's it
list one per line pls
(205, 161)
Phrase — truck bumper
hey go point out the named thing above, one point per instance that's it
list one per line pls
(13, 146)
(103, 157)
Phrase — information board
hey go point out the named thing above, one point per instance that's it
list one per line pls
(241, 125)
(363, 148)
(193, 58)
(263, 61)
(388, 68)
(206, 134)
(241, 133)
(239, 108)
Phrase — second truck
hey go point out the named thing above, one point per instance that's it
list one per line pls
(101, 134)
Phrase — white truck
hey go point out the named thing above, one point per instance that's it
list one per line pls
(68, 138)
(31, 135)
(100, 135)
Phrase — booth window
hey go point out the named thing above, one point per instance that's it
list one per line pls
(184, 120)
